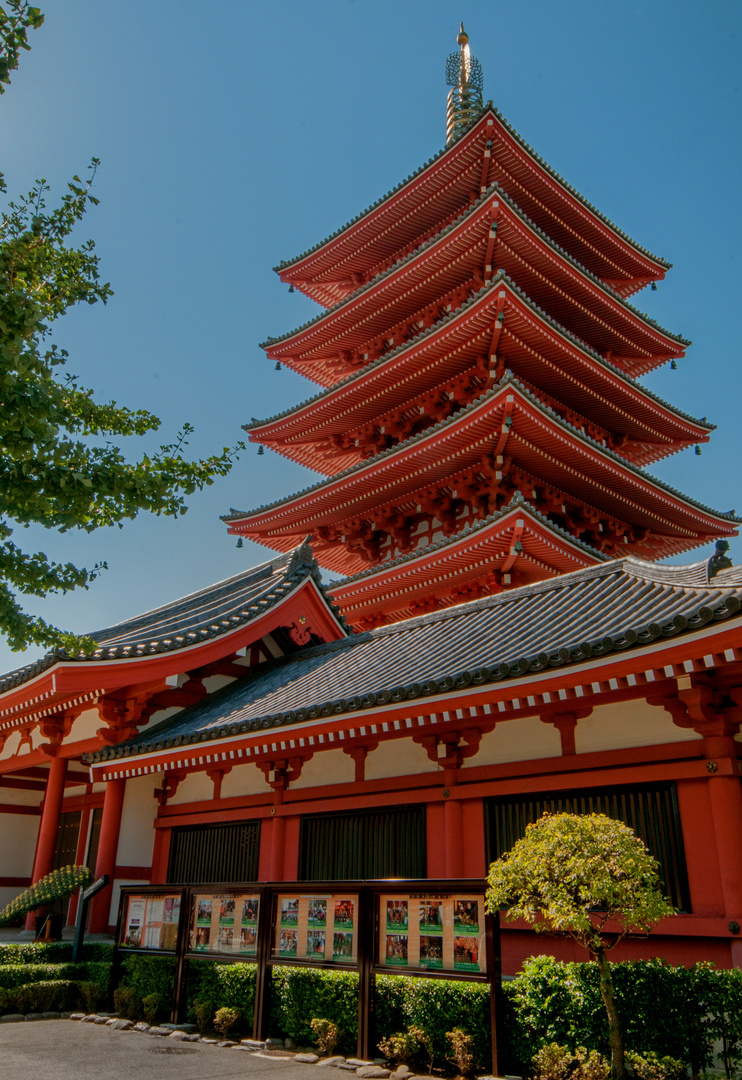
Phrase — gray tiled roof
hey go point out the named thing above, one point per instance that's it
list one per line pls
(620, 604)
(207, 614)
(489, 107)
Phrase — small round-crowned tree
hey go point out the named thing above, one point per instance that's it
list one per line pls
(588, 877)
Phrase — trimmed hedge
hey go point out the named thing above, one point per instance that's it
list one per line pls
(299, 995)
(14, 975)
(222, 985)
(149, 975)
(52, 952)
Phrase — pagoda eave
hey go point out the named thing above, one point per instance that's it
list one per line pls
(507, 420)
(441, 187)
(517, 546)
(529, 343)
(491, 236)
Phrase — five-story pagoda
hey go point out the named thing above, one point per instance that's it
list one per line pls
(480, 425)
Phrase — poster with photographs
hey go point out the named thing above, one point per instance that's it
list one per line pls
(134, 925)
(290, 912)
(249, 907)
(151, 923)
(225, 924)
(432, 933)
(316, 929)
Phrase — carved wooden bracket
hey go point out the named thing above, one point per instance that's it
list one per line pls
(451, 749)
(699, 706)
(565, 723)
(216, 775)
(359, 755)
(281, 772)
(123, 715)
(170, 783)
(56, 728)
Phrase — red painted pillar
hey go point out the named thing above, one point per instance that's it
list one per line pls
(82, 843)
(278, 841)
(453, 832)
(435, 827)
(49, 826)
(110, 827)
(725, 796)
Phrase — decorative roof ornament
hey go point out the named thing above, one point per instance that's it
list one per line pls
(465, 100)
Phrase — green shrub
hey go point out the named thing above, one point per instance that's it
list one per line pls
(225, 1019)
(151, 1005)
(149, 975)
(203, 1013)
(438, 1006)
(53, 952)
(554, 1062)
(128, 1002)
(400, 1048)
(651, 1067)
(89, 995)
(461, 1051)
(54, 995)
(13, 975)
(326, 1035)
(299, 994)
(213, 984)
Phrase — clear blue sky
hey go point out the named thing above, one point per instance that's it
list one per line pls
(236, 134)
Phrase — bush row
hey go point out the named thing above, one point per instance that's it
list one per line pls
(53, 995)
(52, 952)
(669, 1011)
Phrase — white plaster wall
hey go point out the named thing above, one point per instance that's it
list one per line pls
(160, 715)
(327, 767)
(19, 797)
(216, 682)
(18, 834)
(398, 757)
(7, 894)
(13, 742)
(194, 787)
(524, 739)
(244, 780)
(137, 835)
(113, 911)
(628, 723)
(85, 726)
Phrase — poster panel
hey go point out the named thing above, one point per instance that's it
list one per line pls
(225, 923)
(151, 922)
(323, 929)
(432, 932)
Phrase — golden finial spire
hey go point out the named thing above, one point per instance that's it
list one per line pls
(464, 76)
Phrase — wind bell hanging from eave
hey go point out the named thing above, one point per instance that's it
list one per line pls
(464, 76)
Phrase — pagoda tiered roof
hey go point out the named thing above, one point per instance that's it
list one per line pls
(490, 152)
(507, 420)
(515, 546)
(317, 432)
(493, 234)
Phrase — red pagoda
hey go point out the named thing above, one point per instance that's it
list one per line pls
(480, 425)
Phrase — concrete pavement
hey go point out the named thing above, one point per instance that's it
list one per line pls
(69, 1050)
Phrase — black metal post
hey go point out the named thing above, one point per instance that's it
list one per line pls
(366, 979)
(494, 975)
(180, 996)
(82, 915)
(261, 1016)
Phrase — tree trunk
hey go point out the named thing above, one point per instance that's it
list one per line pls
(615, 1034)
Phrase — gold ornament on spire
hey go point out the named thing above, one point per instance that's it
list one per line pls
(464, 76)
